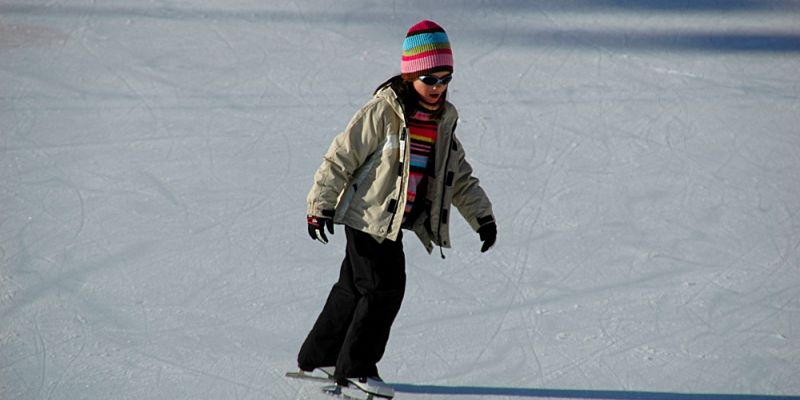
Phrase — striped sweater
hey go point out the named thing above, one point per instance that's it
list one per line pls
(422, 137)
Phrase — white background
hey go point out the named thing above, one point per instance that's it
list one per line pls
(642, 158)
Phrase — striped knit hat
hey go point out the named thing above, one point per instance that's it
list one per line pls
(425, 50)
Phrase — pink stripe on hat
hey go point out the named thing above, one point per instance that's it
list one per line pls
(427, 63)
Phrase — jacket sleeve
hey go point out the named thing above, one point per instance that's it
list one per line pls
(346, 154)
(468, 196)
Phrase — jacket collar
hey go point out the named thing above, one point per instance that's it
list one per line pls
(390, 96)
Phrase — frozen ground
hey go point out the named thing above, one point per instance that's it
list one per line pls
(642, 157)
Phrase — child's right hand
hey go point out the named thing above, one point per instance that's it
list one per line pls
(317, 224)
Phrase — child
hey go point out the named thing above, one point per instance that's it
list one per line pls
(397, 166)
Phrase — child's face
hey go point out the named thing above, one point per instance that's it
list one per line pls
(431, 93)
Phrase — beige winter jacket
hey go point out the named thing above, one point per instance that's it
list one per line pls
(364, 176)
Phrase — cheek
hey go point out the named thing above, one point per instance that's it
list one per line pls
(421, 88)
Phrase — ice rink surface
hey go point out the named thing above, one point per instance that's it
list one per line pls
(642, 158)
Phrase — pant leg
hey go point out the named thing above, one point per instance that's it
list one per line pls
(379, 278)
(322, 345)
(353, 328)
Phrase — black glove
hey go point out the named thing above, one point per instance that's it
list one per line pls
(488, 235)
(317, 224)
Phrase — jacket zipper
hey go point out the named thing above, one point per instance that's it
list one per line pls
(444, 188)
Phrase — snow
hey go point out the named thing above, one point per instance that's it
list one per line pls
(642, 158)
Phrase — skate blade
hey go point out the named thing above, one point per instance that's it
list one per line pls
(348, 393)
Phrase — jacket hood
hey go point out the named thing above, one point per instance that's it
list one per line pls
(388, 94)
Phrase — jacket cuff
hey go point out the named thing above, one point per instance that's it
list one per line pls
(485, 220)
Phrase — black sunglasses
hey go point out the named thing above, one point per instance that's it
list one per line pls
(431, 80)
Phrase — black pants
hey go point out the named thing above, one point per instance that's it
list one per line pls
(353, 328)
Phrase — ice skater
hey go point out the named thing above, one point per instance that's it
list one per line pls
(396, 167)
